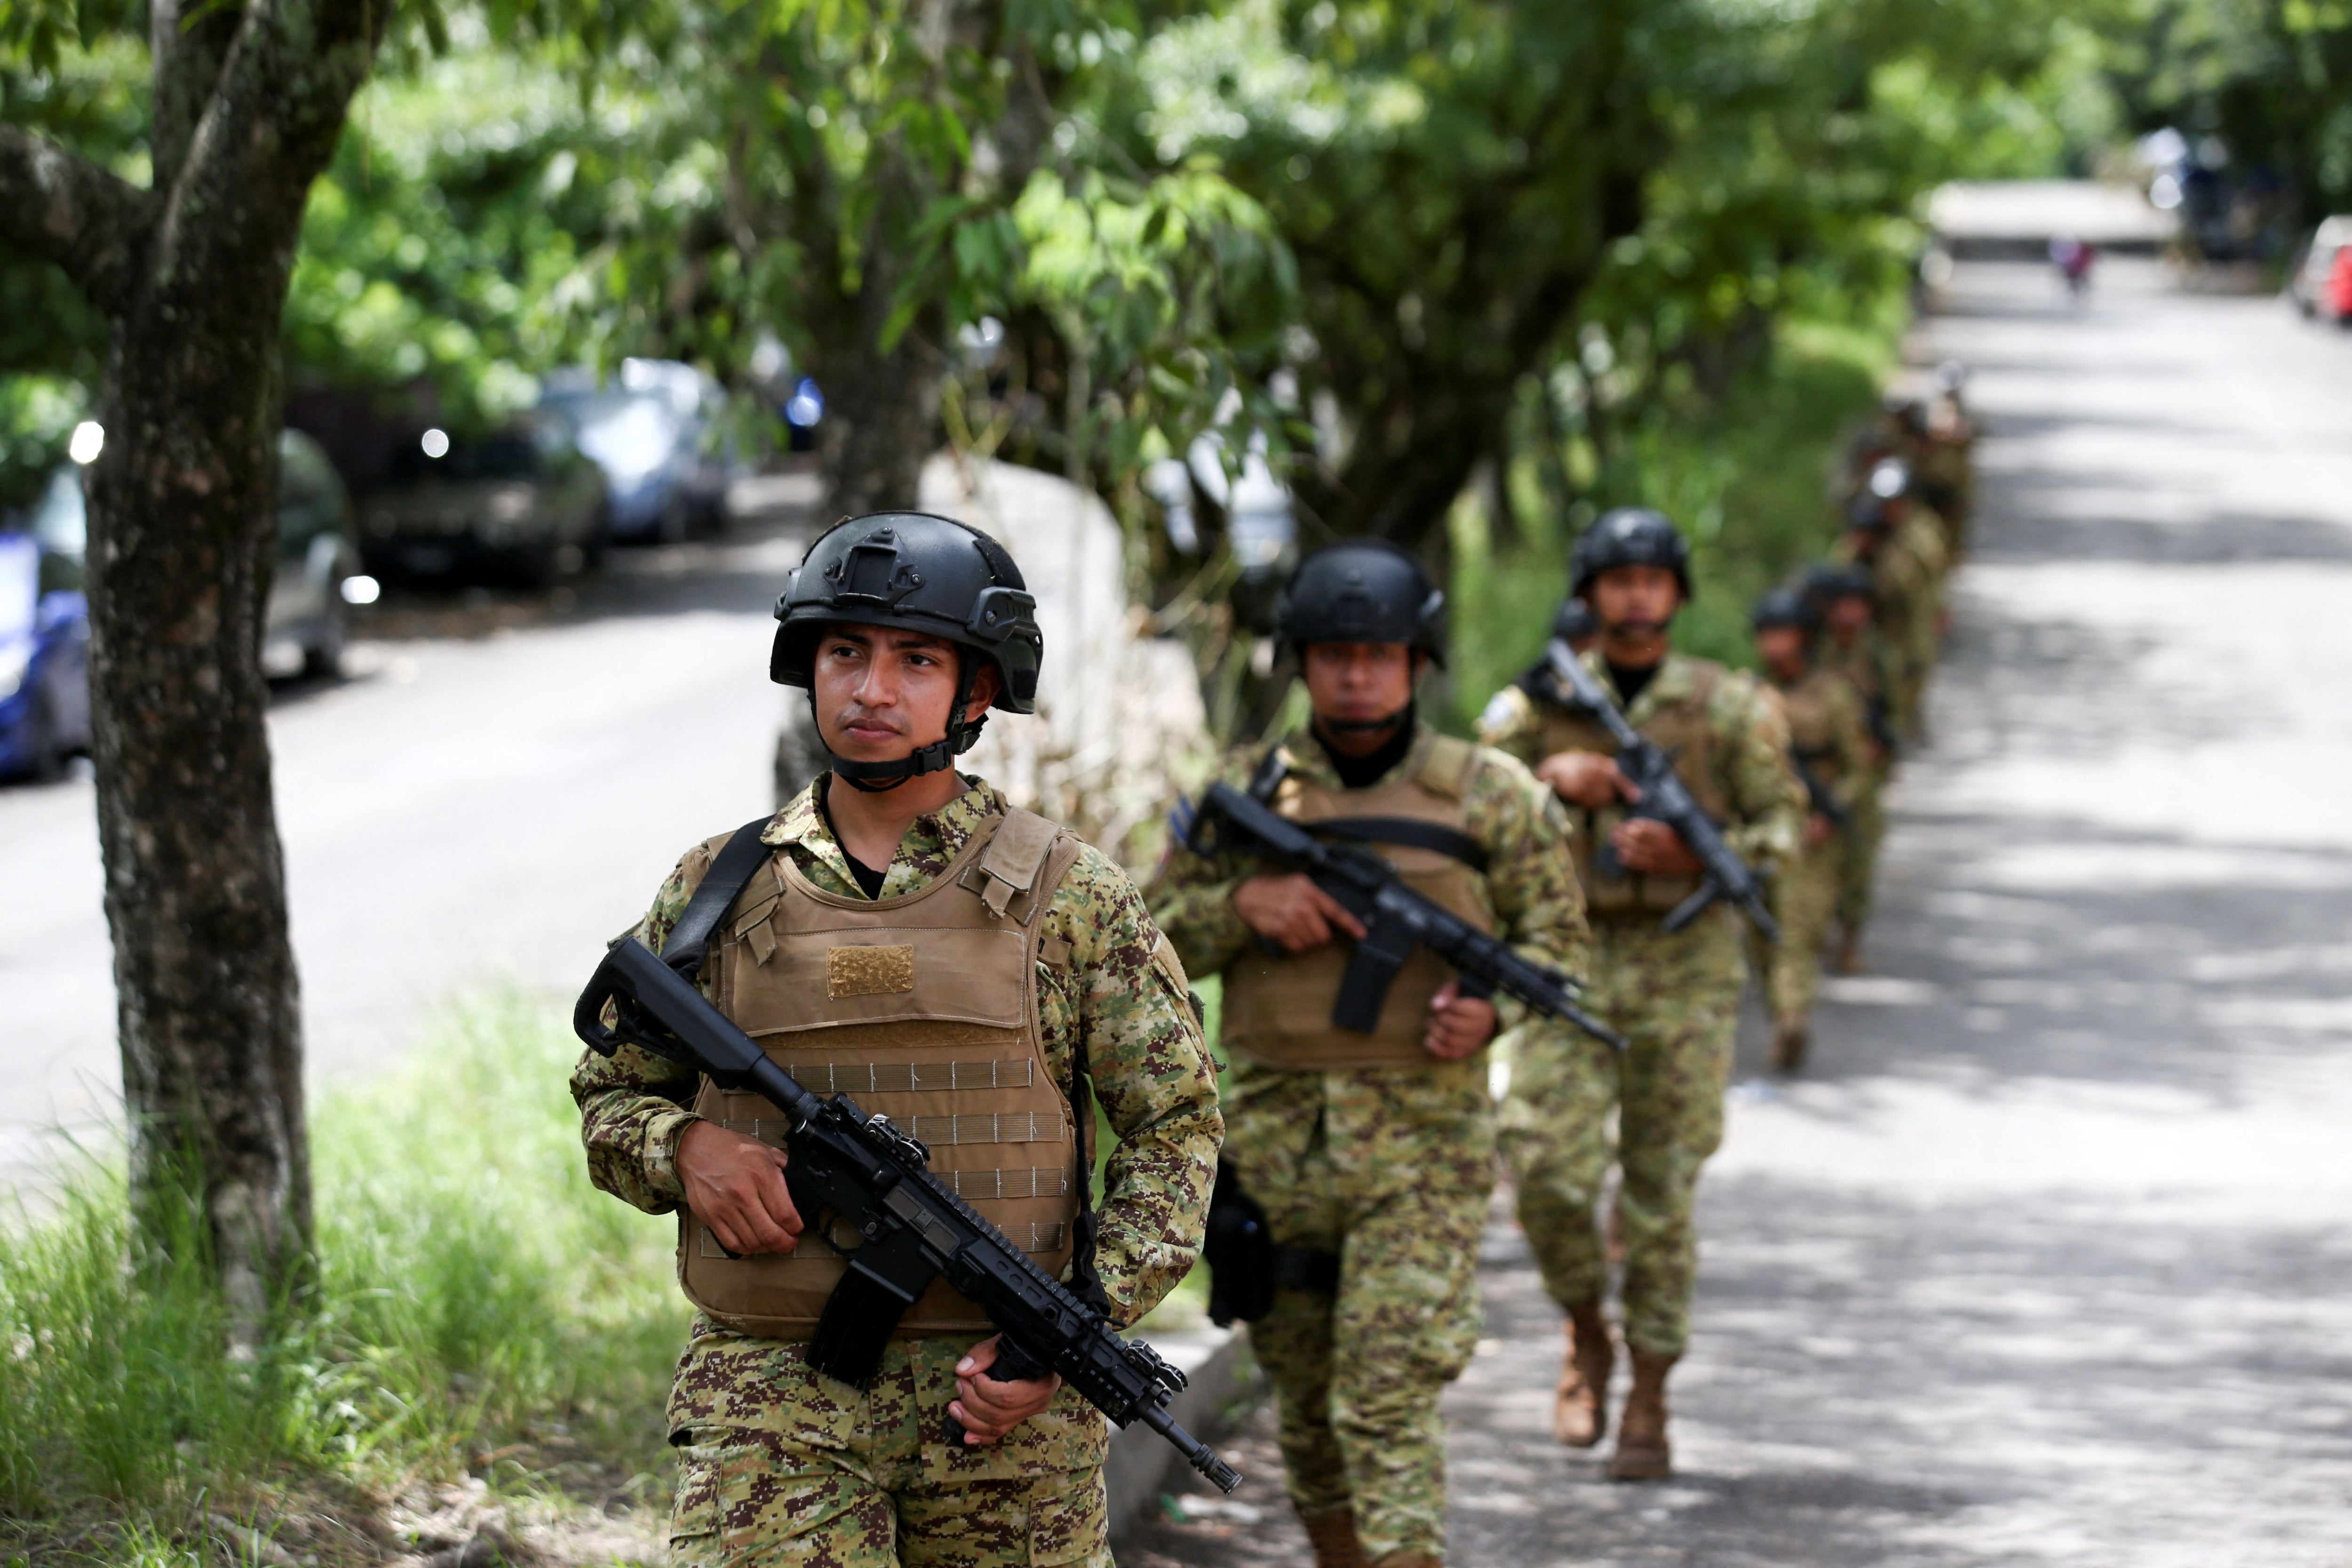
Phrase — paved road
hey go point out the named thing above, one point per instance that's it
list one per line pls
(500, 786)
(2050, 1260)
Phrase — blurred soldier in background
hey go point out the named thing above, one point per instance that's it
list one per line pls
(1372, 1154)
(1829, 746)
(1673, 994)
(1906, 561)
(1851, 646)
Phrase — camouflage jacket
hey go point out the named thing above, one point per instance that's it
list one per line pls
(1829, 733)
(1146, 1061)
(1751, 737)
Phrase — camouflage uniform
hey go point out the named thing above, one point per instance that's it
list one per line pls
(1674, 996)
(783, 1465)
(1866, 666)
(1391, 1168)
(1908, 573)
(1827, 735)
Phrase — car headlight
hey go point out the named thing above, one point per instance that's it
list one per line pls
(16, 659)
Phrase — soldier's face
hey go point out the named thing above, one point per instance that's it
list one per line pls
(1637, 600)
(881, 692)
(1848, 613)
(1355, 682)
(1782, 649)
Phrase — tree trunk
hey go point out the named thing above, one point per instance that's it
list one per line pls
(182, 513)
(880, 419)
(191, 274)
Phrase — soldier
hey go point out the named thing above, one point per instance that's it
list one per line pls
(969, 967)
(1851, 646)
(1829, 750)
(1672, 993)
(1907, 562)
(1374, 1154)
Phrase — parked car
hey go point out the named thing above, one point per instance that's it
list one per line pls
(43, 638)
(2321, 283)
(657, 433)
(318, 577)
(521, 503)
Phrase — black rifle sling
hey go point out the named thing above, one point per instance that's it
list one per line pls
(731, 872)
(1411, 832)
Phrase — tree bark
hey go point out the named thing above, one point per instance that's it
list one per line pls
(192, 276)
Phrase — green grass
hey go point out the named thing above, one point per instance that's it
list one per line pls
(1747, 483)
(479, 1307)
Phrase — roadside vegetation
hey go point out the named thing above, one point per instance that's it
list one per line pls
(481, 1314)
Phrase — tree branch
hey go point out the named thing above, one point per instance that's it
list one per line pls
(61, 207)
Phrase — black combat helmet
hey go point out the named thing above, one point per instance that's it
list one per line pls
(917, 573)
(1362, 590)
(1629, 536)
(1833, 581)
(1785, 607)
(1574, 621)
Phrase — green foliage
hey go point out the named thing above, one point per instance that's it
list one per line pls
(473, 1291)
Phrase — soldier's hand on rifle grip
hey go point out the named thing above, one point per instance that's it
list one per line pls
(735, 1185)
(1653, 848)
(986, 1408)
(1458, 1024)
(1292, 910)
(1590, 779)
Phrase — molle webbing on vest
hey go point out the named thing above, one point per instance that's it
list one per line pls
(1277, 1008)
(1683, 728)
(924, 1008)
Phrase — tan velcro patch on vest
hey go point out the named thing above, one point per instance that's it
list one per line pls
(869, 971)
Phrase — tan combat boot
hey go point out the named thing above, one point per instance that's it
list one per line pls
(1411, 1560)
(1643, 1452)
(1580, 1410)
(1847, 960)
(1333, 1537)
(1791, 1039)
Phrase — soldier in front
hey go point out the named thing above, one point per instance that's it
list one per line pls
(1371, 1153)
(975, 973)
(1672, 993)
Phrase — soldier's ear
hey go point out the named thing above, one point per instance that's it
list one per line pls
(986, 684)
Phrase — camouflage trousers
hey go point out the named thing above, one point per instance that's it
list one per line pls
(1858, 858)
(781, 1466)
(1674, 997)
(1804, 900)
(1390, 1170)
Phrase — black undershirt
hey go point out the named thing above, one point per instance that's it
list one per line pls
(1631, 683)
(1362, 772)
(866, 877)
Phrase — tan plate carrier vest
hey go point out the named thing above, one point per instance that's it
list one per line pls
(922, 1008)
(1682, 728)
(1277, 1010)
(1811, 735)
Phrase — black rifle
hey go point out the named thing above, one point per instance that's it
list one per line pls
(1664, 798)
(1395, 918)
(1818, 792)
(848, 1166)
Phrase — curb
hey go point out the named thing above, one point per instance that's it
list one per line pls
(1223, 1381)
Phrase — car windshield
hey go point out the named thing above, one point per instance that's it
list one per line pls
(507, 455)
(20, 585)
(60, 521)
(628, 435)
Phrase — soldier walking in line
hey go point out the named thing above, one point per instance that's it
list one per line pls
(1907, 562)
(1829, 748)
(1672, 993)
(976, 973)
(1372, 1154)
(1851, 646)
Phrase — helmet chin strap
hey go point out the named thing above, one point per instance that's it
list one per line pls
(880, 778)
